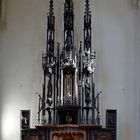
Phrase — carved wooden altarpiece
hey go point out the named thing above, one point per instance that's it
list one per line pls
(69, 106)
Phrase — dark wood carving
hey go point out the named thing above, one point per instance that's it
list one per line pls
(31, 134)
(103, 134)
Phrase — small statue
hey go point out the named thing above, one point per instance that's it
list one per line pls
(68, 41)
(49, 94)
(50, 46)
(68, 15)
(68, 118)
(91, 66)
(87, 92)
(50, 116)
(87, 42)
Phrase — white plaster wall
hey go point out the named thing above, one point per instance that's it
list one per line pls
(137, 78)
(116, 62)
(116, 42)
(21, 45)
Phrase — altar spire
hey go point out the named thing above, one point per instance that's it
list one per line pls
(87, 28)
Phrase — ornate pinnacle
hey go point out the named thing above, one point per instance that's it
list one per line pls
(51, 10)
(69, 3)
(87, 16)
(51, 18)
(87, 9)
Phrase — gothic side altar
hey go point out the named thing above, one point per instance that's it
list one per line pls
(69, 105)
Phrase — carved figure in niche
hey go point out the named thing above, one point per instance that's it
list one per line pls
(85, 65)
(68, 21)
(68, 7)
(50, 45)
(51, 21)
(49, 114)
(68, 15)
(68, 41)
(68, 118)
(91, 65)
(49, 94)
(87, 20)
(87, 41)
(67, 61)
(68, 85)
(87, 92)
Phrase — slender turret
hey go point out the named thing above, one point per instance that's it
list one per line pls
(87, 28)
(48, 65)
(88, 64)
(50, 33)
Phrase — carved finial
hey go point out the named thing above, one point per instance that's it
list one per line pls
(87, 16)
(87, 27)
(87, 9)
(51, 18)
(51, 10)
